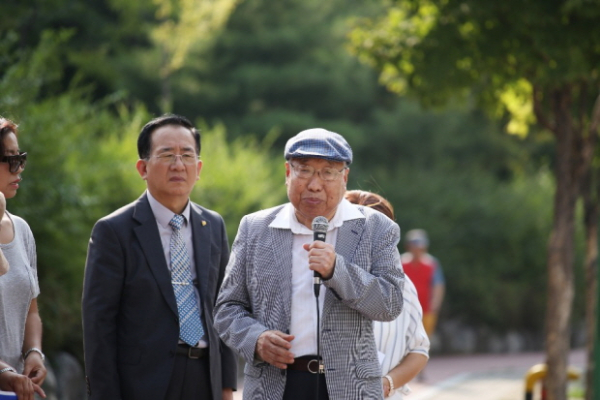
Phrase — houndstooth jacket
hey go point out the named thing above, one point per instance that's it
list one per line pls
(366, 285)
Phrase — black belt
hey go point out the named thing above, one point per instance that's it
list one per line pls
(307, 364)
(192, 352)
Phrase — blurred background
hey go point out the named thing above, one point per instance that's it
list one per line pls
(81, 78)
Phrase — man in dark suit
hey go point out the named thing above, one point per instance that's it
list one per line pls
(153, 271)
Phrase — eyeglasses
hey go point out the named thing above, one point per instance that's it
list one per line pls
(328, 174)
(169, 158)
(15, 162)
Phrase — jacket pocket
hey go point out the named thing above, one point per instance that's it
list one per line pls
(253, 371)
(366, 369)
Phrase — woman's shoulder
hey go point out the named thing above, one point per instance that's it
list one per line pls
(21, 226)
(16, 218)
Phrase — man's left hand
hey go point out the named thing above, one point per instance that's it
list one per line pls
(321, 258)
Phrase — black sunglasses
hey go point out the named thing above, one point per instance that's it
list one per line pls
(15, 162)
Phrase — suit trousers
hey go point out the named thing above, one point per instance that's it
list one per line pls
(190, 379)
(303, 385)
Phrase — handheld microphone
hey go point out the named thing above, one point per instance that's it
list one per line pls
(319, 226)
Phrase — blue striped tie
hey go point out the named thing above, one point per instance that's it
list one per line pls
(190, 326)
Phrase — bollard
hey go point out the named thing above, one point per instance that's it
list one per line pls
(537, 373)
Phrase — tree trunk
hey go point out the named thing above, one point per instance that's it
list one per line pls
(560, 295)
(591, 203)
(560, 251)
(591, 209)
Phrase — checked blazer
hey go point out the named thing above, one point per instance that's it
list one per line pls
(366, 285)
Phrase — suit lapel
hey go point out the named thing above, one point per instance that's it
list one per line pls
(348, 237)
(149, 239)
(201, 238)
(282, 247)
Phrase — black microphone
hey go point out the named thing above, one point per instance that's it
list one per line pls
(319, 226)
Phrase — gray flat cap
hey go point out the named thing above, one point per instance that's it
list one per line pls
(318, 143)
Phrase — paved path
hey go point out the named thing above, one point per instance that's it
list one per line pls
(476, 377)
(481, 377)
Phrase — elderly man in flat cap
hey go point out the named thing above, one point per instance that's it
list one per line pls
(299, 344)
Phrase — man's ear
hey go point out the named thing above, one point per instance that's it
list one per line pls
(199, 169)
(142, 168)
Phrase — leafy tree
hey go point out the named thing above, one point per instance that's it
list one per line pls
(238, 176)
(142, 48)
(485, 206)
(282, 66)
(81, 166)
(535, 62)
(275, 69)
(192, 23)
(68, 139)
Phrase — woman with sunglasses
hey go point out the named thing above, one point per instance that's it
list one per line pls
(22, 361)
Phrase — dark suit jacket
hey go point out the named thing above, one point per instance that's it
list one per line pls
(130, 319)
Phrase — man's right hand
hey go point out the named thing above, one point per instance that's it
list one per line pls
(273, 347)
(21, 385)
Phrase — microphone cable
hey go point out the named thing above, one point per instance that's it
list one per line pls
(319, 226)
(320, 368)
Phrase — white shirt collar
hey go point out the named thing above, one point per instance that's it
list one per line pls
(286, 218)
(163, 215)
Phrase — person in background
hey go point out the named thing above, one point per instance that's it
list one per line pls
(403, 341)
(426, 273)
(21, 329)
(153, 271)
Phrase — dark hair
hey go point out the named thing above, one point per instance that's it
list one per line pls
(144, 142)
(372, 200)
(6, 127)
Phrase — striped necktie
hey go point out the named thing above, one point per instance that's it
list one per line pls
(190, 326)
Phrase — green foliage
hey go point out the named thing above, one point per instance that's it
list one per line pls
(438, 49)
(514, 58)
(69, 180)
(282, 65)
(456, 176)
(238, 177)
(81, 166)
(82, 93)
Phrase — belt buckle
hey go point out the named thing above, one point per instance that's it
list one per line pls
(320, 367)
(190, 354)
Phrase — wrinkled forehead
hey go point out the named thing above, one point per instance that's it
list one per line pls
(172, 138)
(316, 162)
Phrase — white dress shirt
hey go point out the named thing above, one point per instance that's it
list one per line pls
(163, 216)
(304, 309)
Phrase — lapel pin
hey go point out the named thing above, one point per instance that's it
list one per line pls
(203, 223)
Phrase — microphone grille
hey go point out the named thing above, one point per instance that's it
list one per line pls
(320, 224)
